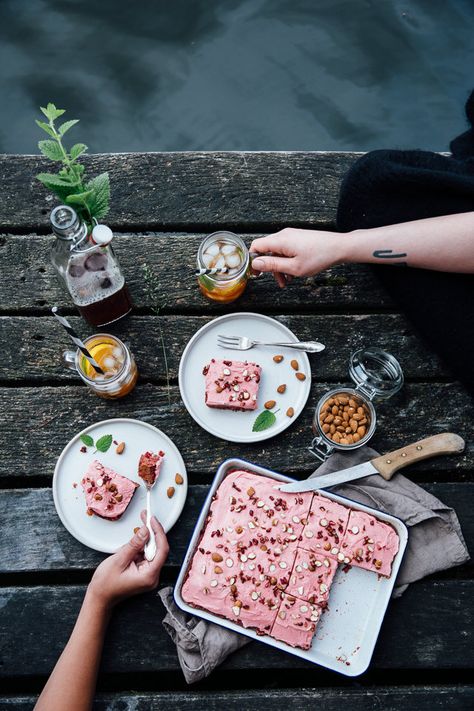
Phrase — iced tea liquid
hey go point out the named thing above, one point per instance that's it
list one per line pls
(114, 358)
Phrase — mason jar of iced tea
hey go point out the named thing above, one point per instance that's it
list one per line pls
(114, 358)
(223, 263)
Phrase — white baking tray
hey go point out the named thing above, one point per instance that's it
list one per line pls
(347, 633)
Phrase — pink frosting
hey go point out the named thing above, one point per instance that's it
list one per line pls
(326, 527)
(231, 384)
(255, 558)
(369, 543)
(107, 493)
(312, 576)
(296, 621)
(254, 528)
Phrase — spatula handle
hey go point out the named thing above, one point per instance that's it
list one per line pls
(445, 443)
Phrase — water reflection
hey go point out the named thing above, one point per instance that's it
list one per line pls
(238, 74)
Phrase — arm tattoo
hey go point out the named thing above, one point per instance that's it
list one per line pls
(389, 254)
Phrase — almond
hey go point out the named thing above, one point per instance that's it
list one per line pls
(294, 364)
(281, 389)
(301, 376)
(136, 529)
(250, 491)
(178, 479)
(120, 447)
(269, 404)
(278, 358)
(290, 412)
(216, 557)
(118, 497)
(217, 569)
(170, 492)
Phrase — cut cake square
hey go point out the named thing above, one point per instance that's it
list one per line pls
(312, 576)
(107, 493)
(296, 621)
(370, 543)
(231, 384)
(326, 527)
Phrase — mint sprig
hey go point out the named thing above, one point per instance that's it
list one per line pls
(265, 420)
(90, 198)
(87, 440)
(103, 443)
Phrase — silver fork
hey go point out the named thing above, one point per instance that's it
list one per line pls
(242, 343)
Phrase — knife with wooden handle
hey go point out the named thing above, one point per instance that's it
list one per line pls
(386, 465)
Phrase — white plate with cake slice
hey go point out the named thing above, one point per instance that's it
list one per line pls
(233, 384)
(114, 480)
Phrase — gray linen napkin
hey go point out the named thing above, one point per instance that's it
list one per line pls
(435, 543)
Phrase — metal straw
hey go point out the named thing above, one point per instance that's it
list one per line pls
(75, 338)
(215, 270)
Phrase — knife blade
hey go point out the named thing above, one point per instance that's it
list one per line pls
(327, 480)
(386, 465)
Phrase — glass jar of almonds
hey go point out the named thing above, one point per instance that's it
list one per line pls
(345, 418)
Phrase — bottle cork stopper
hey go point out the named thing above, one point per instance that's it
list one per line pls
(101, 234)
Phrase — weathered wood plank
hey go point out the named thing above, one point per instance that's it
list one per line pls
(431, 626)
(42, 341)
(157, 190)
(40, 422)
(27, 279)
(408, 698)
(49, 547)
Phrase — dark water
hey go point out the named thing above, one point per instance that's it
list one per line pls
(238, 74)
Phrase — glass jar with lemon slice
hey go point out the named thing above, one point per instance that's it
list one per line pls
(114, 358)
(223, 263)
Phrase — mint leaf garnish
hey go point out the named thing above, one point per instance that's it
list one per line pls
(103, 443)
(265, 420)
(87, 440)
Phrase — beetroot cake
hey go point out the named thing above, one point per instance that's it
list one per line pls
(231, 384)
(107, 493)
(256, 565)
(149, 466)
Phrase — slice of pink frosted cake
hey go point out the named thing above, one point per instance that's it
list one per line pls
(231, 384)
(296, 621)
(311, 577)
(370, 543)
(326, 527)
(107, 493)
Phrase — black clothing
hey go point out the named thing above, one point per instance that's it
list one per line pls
(389, 186)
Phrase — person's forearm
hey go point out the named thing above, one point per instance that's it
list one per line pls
(441, 243)
(72, 683)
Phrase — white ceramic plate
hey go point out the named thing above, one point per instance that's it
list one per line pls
(139, 437)
(237, 426)
(347, 633)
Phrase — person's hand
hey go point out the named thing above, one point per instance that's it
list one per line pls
(127, 572)
(297, 253)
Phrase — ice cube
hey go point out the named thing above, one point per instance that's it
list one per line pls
(117, 353)
(99, 378)
(212, 250)
(207, 259)
(96, 262)
(231, 272)
(219, 262)
(109, 362)
(76, 270)
(232, 260)
(227, 249)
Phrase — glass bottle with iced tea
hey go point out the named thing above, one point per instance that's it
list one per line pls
(225, 259)
(89, 268)
(114, 358)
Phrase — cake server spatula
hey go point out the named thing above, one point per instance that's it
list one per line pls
(386, 465)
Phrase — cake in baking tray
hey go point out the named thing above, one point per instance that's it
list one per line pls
(231, 384)
(266, 559)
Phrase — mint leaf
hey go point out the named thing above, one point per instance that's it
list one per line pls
(66, 126)
(103, 443)
(265, 420)
(45, 127)
(87, 440)
(52, 112)
(77, 150)
(99, 201)
(51, 150)
(79, 198)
